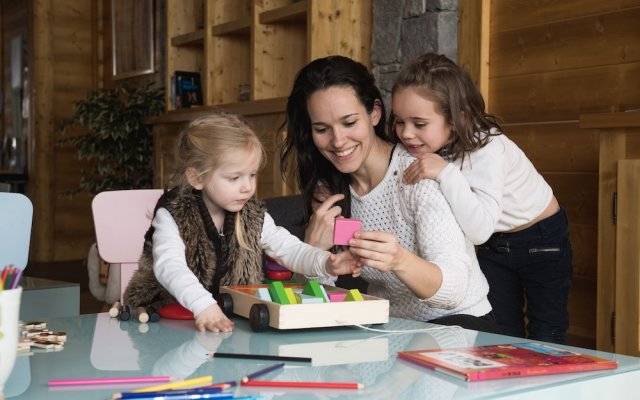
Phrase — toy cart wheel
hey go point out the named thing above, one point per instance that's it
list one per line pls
(259, 317)
(225, 301)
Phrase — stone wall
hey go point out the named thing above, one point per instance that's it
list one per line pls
(404, 29)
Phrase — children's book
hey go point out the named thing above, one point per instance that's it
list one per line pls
(505, 361)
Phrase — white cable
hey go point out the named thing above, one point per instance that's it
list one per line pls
(434, 328)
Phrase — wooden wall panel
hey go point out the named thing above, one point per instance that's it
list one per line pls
(76, 74)
(583, 240)
(633, 146)
(557, 146)
(574, 191)
(565, 94)
(581, 305)
(65, 55)
(518, 14)
(473, 53)
(596, 40)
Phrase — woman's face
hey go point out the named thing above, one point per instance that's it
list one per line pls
(341, 128)
(419, 124)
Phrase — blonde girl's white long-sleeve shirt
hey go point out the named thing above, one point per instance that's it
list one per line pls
(171, 270)
(497, 189)
(421, 219)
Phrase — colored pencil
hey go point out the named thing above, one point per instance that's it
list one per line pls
(16, 279)
(258, 357)
(263, 371)
(165, 393)
(112, 380)
(182, 396)
(221, 385)
(187, 383)
(315, 385)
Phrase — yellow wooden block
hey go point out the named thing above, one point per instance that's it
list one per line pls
(354, 295)
(291, 296)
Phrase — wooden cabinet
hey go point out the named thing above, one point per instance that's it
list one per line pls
(248, 53)
(618, 300)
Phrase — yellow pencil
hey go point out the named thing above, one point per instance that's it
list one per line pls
(187, 383)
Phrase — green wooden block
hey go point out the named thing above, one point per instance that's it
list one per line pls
(313, 288)
(354, 295)
(278, 295)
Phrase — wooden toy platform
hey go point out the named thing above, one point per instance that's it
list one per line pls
(371, 310)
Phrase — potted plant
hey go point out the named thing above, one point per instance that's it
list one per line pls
(119, 144)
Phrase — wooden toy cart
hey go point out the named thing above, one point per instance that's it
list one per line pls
(242, 301)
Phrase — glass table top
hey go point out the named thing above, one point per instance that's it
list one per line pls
(100, 346)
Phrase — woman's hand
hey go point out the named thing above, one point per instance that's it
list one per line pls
(379, 250)
(319, 231)
(428, 166)
(343, 263)
(213, 319)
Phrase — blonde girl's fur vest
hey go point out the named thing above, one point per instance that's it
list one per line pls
(243, 266)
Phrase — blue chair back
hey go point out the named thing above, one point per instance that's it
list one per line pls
(16, 215)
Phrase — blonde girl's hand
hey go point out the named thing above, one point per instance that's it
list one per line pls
(428, 166)
(379, 250)
(343, 263)
(213, 319)
(319, 231)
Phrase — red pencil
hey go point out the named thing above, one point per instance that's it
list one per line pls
(318, 385)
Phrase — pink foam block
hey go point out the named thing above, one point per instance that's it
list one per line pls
(343, 230)
(336, 297)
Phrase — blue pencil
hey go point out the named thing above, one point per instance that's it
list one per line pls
(189, 396)
(262, 372)
(173, 394)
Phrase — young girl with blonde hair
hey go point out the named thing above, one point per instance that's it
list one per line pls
(209, 231)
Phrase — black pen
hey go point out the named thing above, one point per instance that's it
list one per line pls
(258, 357)
(261, 372)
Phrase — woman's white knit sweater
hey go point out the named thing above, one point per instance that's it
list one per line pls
(423, 223)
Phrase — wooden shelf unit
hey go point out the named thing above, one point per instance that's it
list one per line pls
(254, 45)
(260, 45)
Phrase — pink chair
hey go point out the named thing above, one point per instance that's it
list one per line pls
(121, 219)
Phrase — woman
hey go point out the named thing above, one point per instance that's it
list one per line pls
(413, 250)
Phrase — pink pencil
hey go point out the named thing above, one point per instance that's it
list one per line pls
(318, 385)
(102, 381)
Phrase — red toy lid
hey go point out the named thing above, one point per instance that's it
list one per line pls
(279, 275)
(175, 311)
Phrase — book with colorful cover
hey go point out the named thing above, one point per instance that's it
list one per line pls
(505, 361)
(187, 90)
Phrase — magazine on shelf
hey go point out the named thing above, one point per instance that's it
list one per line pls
(505, 361)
